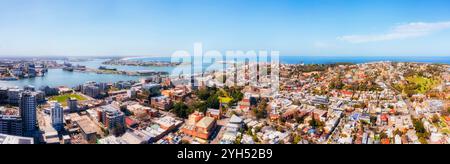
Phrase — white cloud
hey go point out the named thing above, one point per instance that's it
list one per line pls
(320, 44)
(405, 31)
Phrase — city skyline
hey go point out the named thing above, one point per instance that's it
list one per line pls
(159, 28)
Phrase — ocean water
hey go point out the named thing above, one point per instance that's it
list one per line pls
(293, 59)
(58, 77)
(358, 60)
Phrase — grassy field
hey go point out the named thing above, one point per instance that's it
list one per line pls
(63, 98)
(225, 97)
(425, 84)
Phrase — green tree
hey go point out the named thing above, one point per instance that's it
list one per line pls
(398, 132)
(203, 93)
(238, 140)
(418, 125)
(235, 93)
(249, 132)
(383, 135)
(213, 102)
(316, 123)
(255, 138)
(420, 129)
(261, 110)
(422, 140)
(297, 139)
(199, 106)
(257, 129)
(181, 109)
(332, 85)
(299, 119)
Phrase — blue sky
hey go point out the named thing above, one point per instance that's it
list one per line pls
(160, 27)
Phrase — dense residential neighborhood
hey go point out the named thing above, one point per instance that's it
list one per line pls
(342, 103)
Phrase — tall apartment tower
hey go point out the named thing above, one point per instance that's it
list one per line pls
(113, 119)
(72, 103)
(11, 124)
(57, 114)
(28, 112)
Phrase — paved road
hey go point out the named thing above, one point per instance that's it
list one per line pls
(219, 133)
(411, 109)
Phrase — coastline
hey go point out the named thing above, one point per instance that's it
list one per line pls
(91, 74)
(332, 59)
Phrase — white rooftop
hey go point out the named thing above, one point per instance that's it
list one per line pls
(9, 139)
(235, 119)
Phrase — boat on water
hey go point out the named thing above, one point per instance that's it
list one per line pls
(70, 69)
(106, 68)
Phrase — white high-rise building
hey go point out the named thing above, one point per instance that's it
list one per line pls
(28, 112)
(57, 114)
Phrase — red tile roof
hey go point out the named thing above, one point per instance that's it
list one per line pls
(385, 141)
(347, 93)
(129, 121)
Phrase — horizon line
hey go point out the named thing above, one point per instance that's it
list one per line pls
(143, 56)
